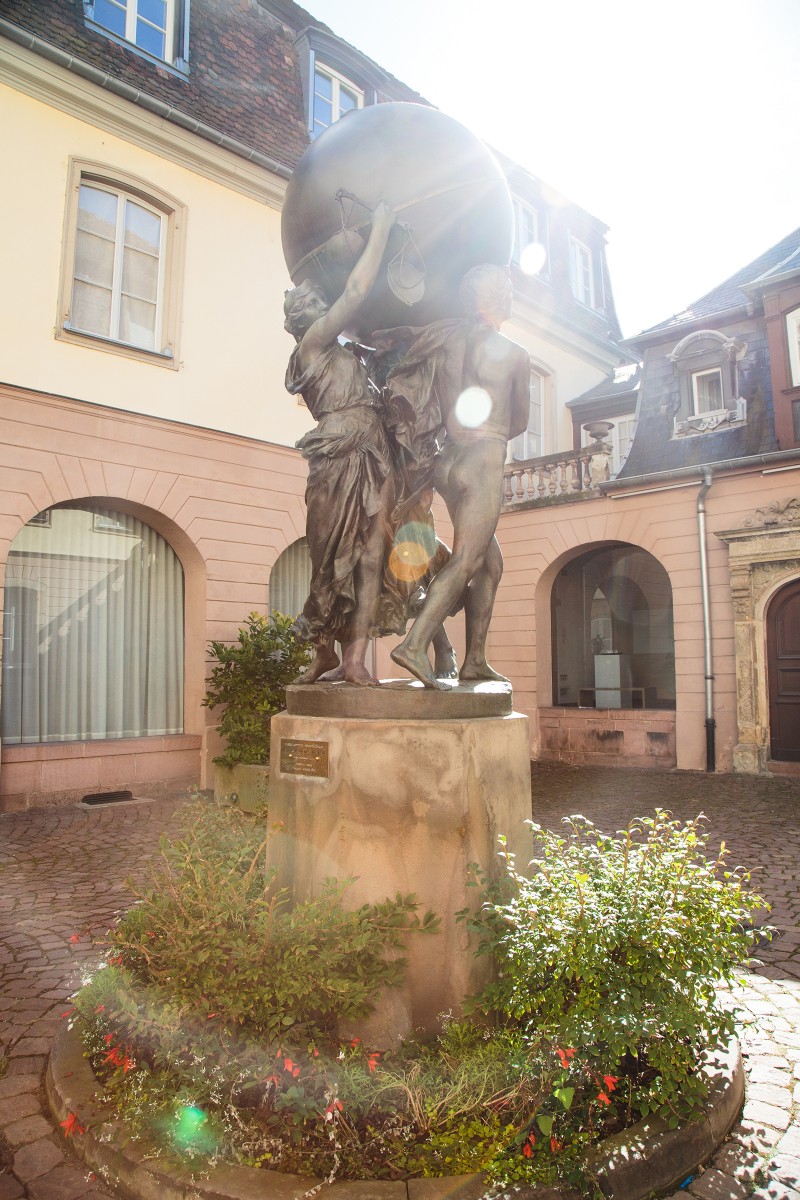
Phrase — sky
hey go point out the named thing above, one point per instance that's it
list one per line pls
(674, 123)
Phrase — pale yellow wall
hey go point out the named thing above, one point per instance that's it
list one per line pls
(570, 373)
(233, 349)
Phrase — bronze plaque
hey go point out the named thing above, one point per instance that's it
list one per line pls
(304, 758)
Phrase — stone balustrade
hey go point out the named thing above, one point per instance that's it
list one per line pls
(554, 477)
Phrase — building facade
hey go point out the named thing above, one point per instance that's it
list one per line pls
(152, 496)
(656, 613)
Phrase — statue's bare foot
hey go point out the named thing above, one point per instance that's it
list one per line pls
(479, 669)
(360, 676)
(444, 663)
(418, 665)
(334, 676)
(324, 660)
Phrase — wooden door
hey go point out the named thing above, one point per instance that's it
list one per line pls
(783, 669)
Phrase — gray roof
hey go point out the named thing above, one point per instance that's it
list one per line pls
(733, 293)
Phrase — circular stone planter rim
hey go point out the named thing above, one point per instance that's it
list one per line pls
(641, 1161)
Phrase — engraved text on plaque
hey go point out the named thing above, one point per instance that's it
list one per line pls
(304, 757)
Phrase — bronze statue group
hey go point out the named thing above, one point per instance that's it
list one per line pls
(422, 409)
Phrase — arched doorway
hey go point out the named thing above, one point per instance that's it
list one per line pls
(783, 673)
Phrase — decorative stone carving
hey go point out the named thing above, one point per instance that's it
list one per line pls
(767, 573)
(764, 552)
(779, 512)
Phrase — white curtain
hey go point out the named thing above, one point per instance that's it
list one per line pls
(92, 630)
(290, 580)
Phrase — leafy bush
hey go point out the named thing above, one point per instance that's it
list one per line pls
(214, 1024)
(613, 948)
(250, 681)
(212, 934)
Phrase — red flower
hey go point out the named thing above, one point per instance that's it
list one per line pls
(565, 1056)
(116, 961)
(114, 1056)
(68, 1012)
(108, 1039)
(526, 1150)
(603, 1098)
(372, 1061)
(76, 937)
(355, 1042)
(611, 1082)
(128, 1064)
(555, 1144)
(72, 1125)
(100, 1008)
(288, 1065)
(210, 1016)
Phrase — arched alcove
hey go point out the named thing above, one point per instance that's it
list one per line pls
(613, 642)
(290, 579)
(93, 629)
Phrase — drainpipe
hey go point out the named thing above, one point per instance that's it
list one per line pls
(711, 724)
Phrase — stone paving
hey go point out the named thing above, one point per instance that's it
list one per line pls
(62, 874)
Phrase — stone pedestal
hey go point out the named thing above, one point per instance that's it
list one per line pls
(402, 804)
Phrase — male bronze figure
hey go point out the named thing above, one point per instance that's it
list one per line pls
(481, 382)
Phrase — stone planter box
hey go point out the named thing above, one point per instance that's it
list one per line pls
(246, 782)
(646, 1160)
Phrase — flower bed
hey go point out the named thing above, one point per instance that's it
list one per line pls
(214, 1026)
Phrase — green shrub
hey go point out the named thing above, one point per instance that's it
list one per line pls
(211, 934)
(214, 1024)
(250, 681)
(613, 948)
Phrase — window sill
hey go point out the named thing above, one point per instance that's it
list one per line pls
(717, 420)
(95, 341)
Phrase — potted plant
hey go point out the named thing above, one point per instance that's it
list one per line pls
(249, 683)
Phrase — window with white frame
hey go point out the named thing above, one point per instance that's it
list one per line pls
(333, 97)
(707, 391)
(122, 269)
(526, 229)
(152, 26)
(530, 443)
(581, 272)
(793, 336)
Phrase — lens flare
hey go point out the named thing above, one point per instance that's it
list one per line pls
(473, 407)
(189, 1129)
(533, 258)
(414, 547)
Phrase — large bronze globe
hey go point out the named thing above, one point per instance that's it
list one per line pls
(452, 202)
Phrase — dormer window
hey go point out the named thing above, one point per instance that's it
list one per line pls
(706, 363)
(707, 391)
(793, 336)
(334, 96)
(581, 272)
(157, 28)
(526, 229)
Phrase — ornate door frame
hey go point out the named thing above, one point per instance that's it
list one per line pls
(764, 554)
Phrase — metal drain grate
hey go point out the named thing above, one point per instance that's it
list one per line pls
(106, 797)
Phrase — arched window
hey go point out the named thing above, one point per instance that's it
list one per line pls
(290, 579)
(92, 630)
(613, 642)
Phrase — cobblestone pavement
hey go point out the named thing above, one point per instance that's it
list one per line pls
(62, 874)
